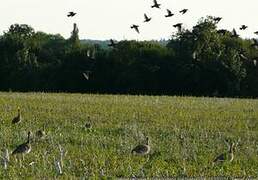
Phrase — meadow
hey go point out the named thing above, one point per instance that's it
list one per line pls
(186, 134)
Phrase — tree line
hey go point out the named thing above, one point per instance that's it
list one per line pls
(200, 61)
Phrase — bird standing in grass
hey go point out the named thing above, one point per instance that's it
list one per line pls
(142, 149)
(40, 134)
(24, 148)
(227, 156)
(88, 124)
(18, 118)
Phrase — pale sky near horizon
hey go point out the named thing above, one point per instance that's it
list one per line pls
(105, 19)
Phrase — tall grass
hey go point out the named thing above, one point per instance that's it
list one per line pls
(186, 134)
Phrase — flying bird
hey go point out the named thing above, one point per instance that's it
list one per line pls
(217, 19)
(255, 43)
(234, 34)
(169, 13)
(112, 43)
(86, 75)
(146, 18)
(243, 27)
(256, 32)
(135, 27)
(178, 26)
(155, 5)
(222, 31)
(183, 11)
(71, 14)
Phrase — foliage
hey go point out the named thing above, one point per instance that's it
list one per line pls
(201, 62)
(186, 134)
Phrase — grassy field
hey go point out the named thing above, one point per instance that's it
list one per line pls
(185, 134)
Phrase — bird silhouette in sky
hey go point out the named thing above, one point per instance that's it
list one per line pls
(217, 19)
(234, 34)
(255, 43)
(86, 75)
(146, 18)
(183, 11)
(112, 43)
(71, 14)
(169, 13)
(156, 4)
(243, 27)
(178, 26)
(222, 31)
(135, 27)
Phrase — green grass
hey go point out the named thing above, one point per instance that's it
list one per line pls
(185, 133)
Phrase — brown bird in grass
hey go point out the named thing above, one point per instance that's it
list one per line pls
(24, 148)
(227, 156)
(88, 124)
(142, 149)
(156, 5)
(169, 13)
(18, 118)
(40, 134)
(135, 27)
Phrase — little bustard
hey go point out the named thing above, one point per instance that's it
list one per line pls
(18, 118)
(24, 148)
(40, 134)
(227, 156)
(142, 149)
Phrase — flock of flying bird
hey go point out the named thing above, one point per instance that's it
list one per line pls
(169, 14)
(178, 25)
(141, 149)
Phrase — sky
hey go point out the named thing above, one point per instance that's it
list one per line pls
(105, 19)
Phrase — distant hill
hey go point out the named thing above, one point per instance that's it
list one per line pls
(104, 43)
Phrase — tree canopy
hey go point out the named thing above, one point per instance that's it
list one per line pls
(200, 61)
